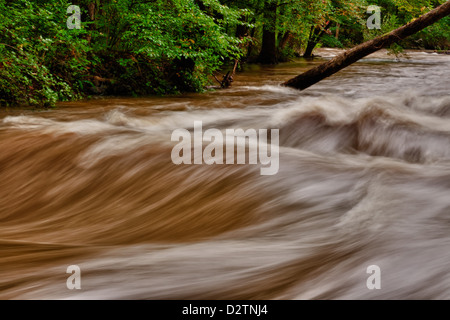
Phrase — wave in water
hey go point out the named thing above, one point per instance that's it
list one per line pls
(361, 182)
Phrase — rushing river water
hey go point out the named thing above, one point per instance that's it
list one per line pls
(364, 179)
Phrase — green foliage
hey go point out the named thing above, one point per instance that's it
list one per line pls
(129, 47)
(138, 47)
(192, 38)
(331, 41)
(396, 13)
(36, 53)
(389, 22)
(436, 36)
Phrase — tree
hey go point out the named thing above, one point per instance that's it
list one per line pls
(333, 12)
(284, 20)
(339, 62)
(268, 53)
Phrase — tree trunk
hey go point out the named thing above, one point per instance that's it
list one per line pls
(345, 59)
(310, 46)
(268, 53)
(284, 40)
(250, 45)
(314, 39)
(91, 13)
(309, 49)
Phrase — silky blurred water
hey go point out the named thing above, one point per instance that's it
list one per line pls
(364, 179)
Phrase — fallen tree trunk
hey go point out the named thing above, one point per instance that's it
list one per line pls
(345, 59)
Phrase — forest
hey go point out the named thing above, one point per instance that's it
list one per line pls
(141, 47)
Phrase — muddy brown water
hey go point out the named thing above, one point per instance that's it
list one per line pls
(364, 179)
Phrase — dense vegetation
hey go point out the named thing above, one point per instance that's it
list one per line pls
(138, 47)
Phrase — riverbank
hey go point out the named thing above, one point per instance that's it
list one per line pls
(322, 54)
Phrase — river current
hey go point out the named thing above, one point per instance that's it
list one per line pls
(363, 179)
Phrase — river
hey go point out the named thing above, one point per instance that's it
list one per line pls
(363, 180)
